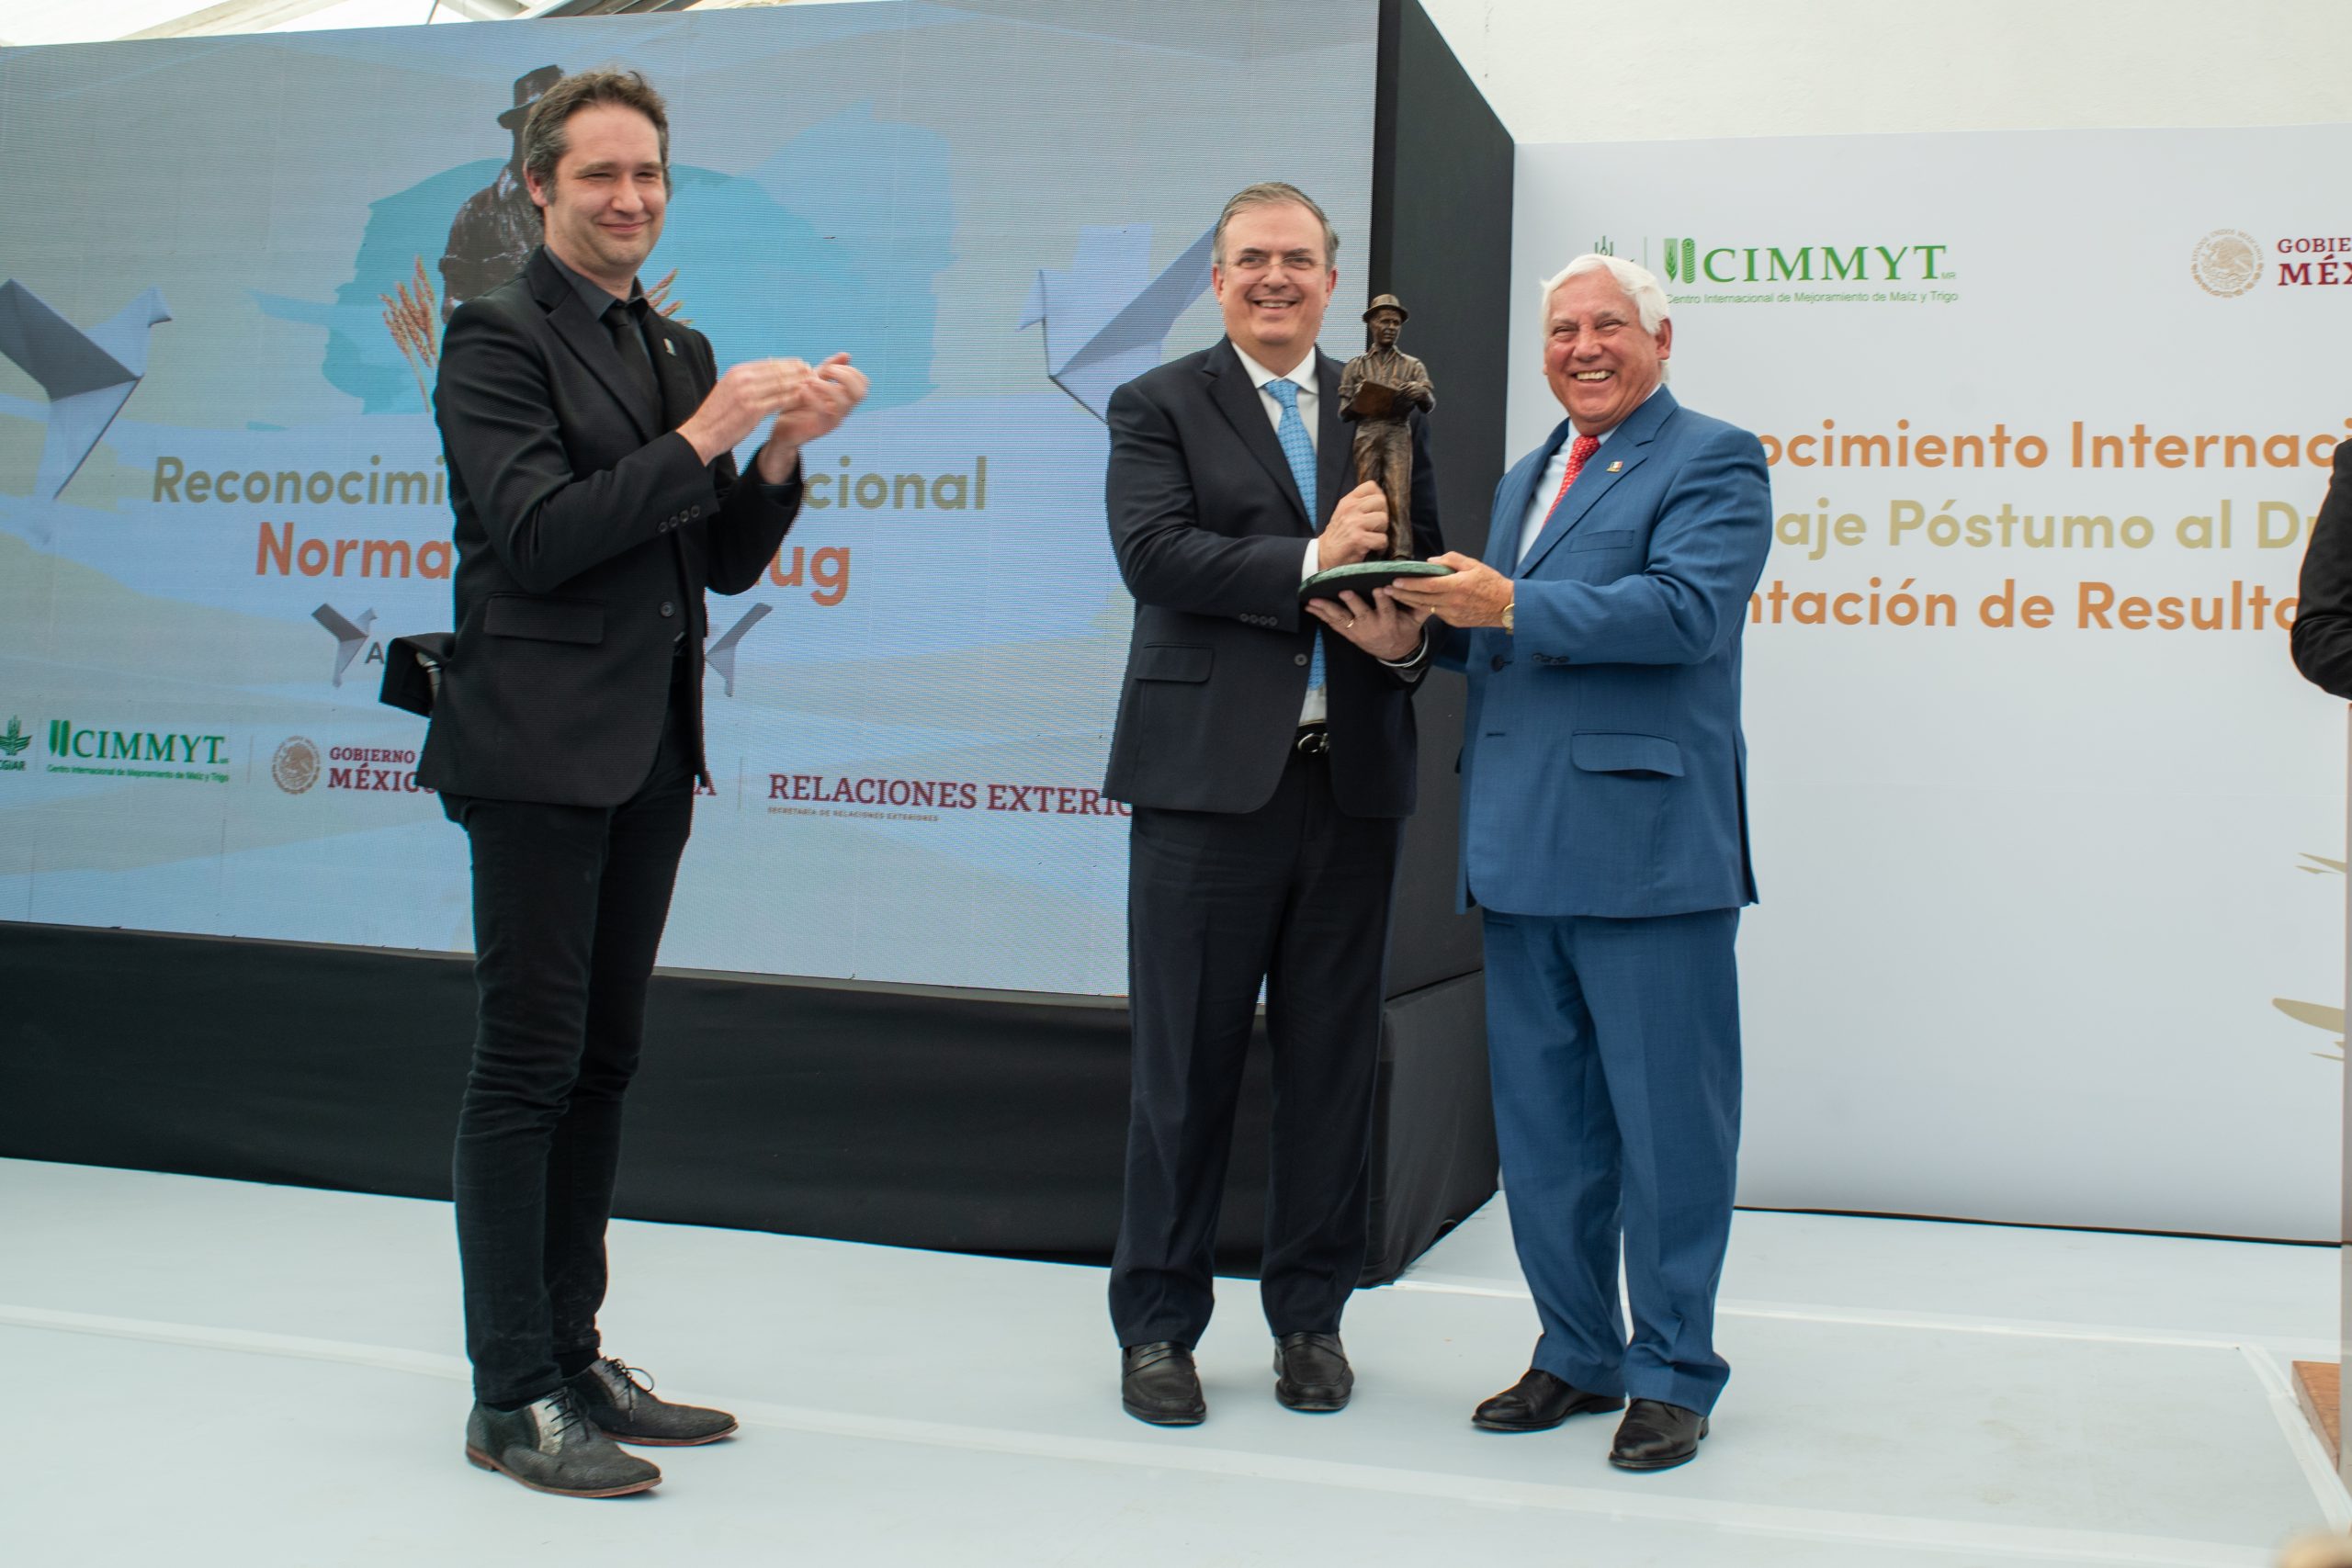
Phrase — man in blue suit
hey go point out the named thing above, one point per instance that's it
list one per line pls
(1604, 833)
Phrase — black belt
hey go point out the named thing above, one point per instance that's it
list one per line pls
(1314, 740)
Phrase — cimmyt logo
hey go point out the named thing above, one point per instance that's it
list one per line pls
(295, 768)
(2226, 263)
(1691, 262)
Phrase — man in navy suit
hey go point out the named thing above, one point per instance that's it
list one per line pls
(1604, 833)
(1270, 766)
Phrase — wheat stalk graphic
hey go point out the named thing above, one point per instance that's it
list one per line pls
(414, 322)
(2319, 1015)
(658, 297)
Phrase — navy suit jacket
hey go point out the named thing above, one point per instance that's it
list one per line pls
(1211, 533)
(1603, 769)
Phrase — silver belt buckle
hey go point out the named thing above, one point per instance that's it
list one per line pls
(1313, 740)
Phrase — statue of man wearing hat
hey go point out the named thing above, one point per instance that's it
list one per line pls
(498, 228)
(1379, 390)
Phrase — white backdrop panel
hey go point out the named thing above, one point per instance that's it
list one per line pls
(2031, 895)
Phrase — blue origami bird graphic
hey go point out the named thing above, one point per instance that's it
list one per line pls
(720, 655)
(1103, 325)
(88, 376)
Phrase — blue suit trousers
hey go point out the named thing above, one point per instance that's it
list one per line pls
(1615, 1051)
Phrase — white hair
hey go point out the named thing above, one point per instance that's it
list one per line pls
(1640, 284)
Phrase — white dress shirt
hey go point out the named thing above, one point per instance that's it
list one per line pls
(1539, 505)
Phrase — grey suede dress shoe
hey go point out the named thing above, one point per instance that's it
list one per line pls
(548, 1445)
(1158, 1383)
(1312, 1375)
(619, 1400)
(1656, 1436)
(1537, 1403)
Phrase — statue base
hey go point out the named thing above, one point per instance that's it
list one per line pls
(1363, 576)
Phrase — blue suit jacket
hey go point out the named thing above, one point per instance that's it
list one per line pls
(1603, 769)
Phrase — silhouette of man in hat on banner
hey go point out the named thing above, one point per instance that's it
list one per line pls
(495, 231)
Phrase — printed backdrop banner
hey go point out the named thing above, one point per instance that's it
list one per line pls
(2049, 833)
(222, 289)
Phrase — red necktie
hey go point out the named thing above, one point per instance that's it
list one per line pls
(1583, 446)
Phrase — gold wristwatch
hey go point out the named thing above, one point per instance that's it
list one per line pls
(1509, 605)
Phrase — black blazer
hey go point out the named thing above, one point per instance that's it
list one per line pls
(2322, 640)
(585, 538)
(1211, 530)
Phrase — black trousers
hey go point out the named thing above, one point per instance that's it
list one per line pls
(1296, 893)
(569, 906)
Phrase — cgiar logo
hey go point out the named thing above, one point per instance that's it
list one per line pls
(2226, 263)
(13, 742)
(295, 768)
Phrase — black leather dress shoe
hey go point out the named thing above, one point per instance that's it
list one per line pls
(549, 1446)
(1537, 1403)
(1156, 1383)
(1656, 1436)
(619, 1401)
(1311, 1373)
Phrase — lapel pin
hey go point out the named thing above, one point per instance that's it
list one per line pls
(1616, 467)
(670, 345)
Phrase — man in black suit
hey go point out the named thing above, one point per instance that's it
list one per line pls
(2322, 640)
(1269, 761)
(588, 442)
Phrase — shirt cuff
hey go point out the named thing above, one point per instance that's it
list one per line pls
(1414, 661)
(1308, 567)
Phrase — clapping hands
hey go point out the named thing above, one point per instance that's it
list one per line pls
(806, 401)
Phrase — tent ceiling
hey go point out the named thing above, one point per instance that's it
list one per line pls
(89, 21)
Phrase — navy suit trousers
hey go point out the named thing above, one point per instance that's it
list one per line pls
(1296, 894)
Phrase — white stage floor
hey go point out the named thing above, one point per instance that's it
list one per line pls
(210, 1372)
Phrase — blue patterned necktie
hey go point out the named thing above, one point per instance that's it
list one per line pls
(1291, 433)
